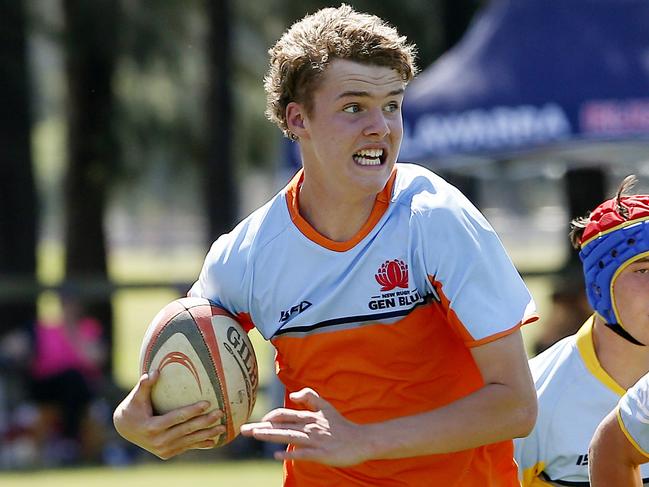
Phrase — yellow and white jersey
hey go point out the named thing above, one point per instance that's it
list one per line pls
(633, 415)
(382, 325)
(575, 393)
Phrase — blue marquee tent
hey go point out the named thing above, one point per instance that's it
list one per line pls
(567, 75)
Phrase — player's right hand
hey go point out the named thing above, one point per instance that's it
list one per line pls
(170, 434)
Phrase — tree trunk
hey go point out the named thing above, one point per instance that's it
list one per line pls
(457, 15)
(17, 192)
(220, 190)
(91, 52)
(585, 189)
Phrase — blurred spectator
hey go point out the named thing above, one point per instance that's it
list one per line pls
(66, 377)
(15, 350)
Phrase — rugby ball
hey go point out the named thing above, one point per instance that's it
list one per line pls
(202, 353)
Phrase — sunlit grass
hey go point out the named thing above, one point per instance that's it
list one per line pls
(242, 473)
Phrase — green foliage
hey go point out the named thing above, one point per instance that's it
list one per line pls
(160, 86)
(161, 77)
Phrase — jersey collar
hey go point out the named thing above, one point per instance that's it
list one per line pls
(586, 347)
(381, 205)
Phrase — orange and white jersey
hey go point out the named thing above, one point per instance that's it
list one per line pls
(381, 325)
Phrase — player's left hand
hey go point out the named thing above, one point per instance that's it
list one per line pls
(318, 434)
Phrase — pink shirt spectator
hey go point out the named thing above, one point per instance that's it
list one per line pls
(56, 351)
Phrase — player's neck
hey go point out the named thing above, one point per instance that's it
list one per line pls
(621, 359)
(334, 216)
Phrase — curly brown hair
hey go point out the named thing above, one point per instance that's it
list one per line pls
(579, 224)
(300, 57)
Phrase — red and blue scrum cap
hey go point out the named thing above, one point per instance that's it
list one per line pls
(610, 243)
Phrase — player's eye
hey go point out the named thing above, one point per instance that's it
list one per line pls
(352, 108)
(392, 107)
(640, 267)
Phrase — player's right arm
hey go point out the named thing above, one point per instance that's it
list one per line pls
(613, 459)
(170, 434)
(186, 428)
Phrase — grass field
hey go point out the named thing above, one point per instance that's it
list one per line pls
(240, 473)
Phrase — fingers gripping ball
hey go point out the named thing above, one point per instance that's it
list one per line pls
(203, 354)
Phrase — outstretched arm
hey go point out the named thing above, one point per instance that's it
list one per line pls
(612, 459)
(170, 434)
(503, 409)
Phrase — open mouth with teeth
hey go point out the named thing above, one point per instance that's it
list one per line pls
(369, 157)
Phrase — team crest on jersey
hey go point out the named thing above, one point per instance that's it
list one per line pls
(393, 277)
(392, 274)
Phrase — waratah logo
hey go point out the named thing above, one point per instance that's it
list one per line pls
(392, 273)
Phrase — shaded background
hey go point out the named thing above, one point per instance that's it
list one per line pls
(132, 134)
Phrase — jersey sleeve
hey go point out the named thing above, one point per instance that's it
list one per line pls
(633, 415)
(223, 277)
(483, 293)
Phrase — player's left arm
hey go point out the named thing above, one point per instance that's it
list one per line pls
(613, 459)
(503, 409)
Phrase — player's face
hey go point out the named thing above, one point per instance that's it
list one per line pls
(631, 295)
(350, 139)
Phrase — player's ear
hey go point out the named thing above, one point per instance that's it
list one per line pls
(295, 115)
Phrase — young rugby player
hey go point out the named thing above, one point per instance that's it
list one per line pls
(581, 378)
(392, 305)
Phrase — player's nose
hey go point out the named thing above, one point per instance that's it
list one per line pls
(377, 124)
